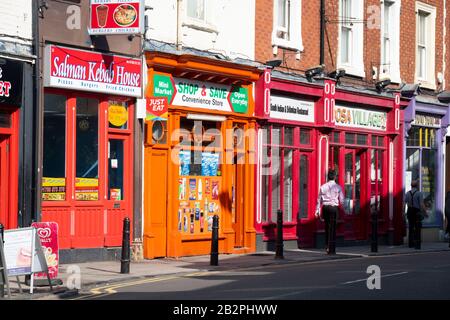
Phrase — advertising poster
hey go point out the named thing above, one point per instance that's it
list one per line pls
(182, 189)
(19, 251)
(48, 234)
(215, 190)
(192, 189)
(115, 194)
(116, 17)
(157, 109)
(53, 189)
(86, 189)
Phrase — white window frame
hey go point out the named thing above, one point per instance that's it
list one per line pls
(429, 81)
(391, 71)
(294, 29)
(205, 24)
(355, 66)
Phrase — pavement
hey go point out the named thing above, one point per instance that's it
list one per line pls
(97, 274)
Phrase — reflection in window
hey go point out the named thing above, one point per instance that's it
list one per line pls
(287, 214)
(115, 170)
(349, 180)
(428, 182)
(265, 197)
(54, 156)
(305, 136)
(303, 187)
(276, 186)
(412, 165)
(86, 184)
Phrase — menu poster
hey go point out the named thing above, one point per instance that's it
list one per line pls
(182, 189)
(207, 186)
(215, 190)
(192, 189)
(18, 251)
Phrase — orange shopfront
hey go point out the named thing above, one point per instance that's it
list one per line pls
(87, 157)
(198, 156)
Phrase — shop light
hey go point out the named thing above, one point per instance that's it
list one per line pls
(205, 117)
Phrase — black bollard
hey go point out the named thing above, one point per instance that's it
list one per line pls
(279, 246)
(374, 244)
(215, 242)
(125, 261)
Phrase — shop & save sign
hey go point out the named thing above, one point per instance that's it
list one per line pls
(204, 95)
(92, 71)
(360, 118)
(291, 109)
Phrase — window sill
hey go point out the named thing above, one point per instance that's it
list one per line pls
(353, 71)
(289, 45)
(395, 78)
(426, 84)
(200, 27)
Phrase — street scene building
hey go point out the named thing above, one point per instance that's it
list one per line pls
(149, 129)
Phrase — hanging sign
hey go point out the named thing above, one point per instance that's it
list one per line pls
(116, 17)
(198, 94)
(48, 234)
(360, 118)
(291, 109)
(157, 108)
(92, 71)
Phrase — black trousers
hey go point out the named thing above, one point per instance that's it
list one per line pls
(329, 214)
(415, 229)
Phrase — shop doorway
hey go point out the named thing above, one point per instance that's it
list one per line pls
(351, 166)
(237, 205)
(4, 180)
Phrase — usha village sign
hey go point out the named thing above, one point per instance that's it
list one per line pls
(92, 71)
(360, 118)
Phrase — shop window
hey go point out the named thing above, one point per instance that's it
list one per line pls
(86, 183)
(422, 137)
(54, 155)
(335, 137)
(288, 136)
(412, 166)
(276, 190)
(350, 138)
(265, 197)
(159, 132)
(118, 114)
(377, 141)
(361, 139)
(115, 169)
(428, 170)
(276, 135)
(303, 187)
(287, 185)
(305, 136)
(5, 119)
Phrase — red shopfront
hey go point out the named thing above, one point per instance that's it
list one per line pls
(87, 157)
(312, 128)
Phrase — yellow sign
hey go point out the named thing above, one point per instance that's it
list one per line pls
(117, 115)
(86, 189)
(53, 189)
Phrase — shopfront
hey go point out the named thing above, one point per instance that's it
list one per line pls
(11, 86)
(87, 153)
(198, 156)
(425, 158)
(324, 127)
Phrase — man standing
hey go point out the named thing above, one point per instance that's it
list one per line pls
(415, 214)
(447, 216)
(330, 196)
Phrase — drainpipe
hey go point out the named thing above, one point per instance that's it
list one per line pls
(179, 24)
(322, 32)
(35, 198)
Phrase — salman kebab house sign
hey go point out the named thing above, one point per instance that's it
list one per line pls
(69, 68)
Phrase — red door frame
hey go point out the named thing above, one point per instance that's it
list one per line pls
(10, 172)
(67, 213)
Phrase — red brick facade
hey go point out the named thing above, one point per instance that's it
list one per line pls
(310, 56)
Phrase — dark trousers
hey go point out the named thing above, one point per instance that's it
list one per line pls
(329, 214)
(447, 230)
(415, 229)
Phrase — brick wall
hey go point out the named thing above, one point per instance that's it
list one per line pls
(372, 39)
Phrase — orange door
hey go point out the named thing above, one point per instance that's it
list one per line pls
(4, 176)
(156, 210)
(238, 201)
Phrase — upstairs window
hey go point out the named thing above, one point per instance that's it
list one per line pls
(199, 14)
(390, 40)
(425, 45)
(350, 53)
(287, 24)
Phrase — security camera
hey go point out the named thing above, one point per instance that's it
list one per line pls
(274, 63)
(410, 90)
(380, 85)
(337, 74)
(315, 71)
(444, 97)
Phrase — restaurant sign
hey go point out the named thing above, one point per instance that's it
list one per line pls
(427, 121)
(116, 17)
(11, 82)
(92, 71)
(291, 109)
(204, 95)
(360, 118)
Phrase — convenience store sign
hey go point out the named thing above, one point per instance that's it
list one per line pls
(204, 95)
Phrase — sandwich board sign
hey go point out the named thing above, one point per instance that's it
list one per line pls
(24, 254)
(3, 274)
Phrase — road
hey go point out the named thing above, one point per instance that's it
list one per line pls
(412, 276)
